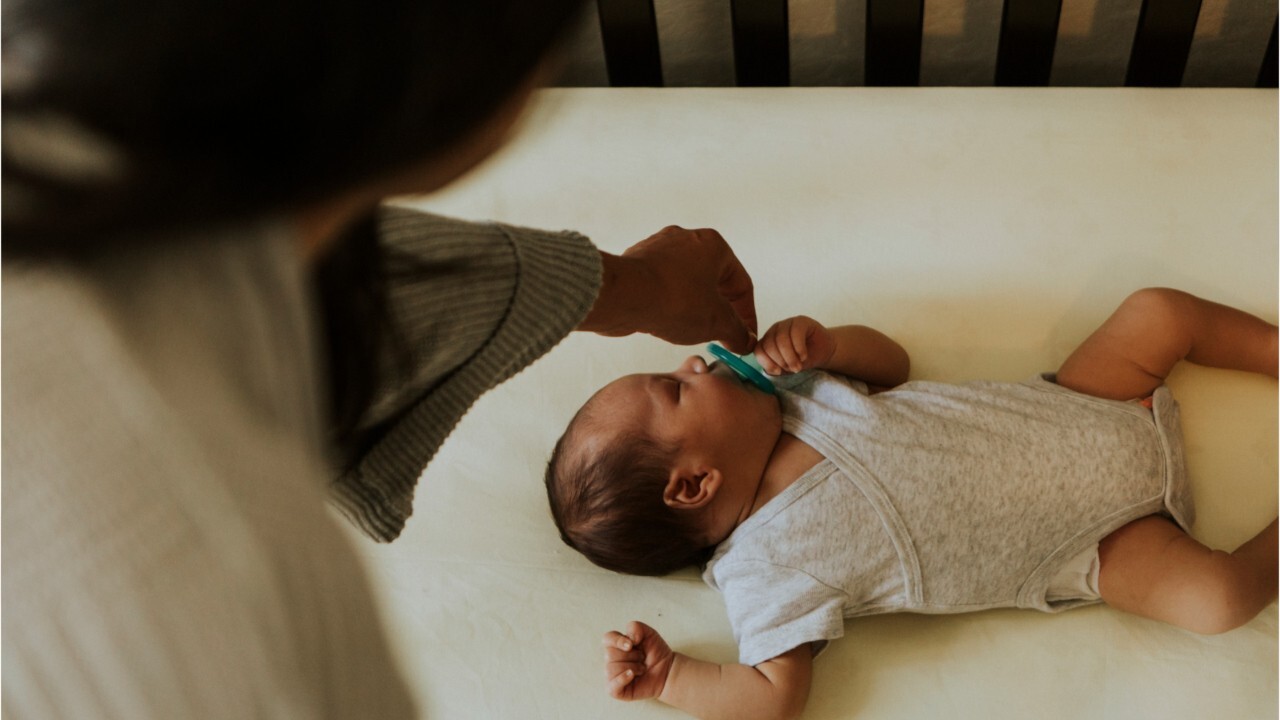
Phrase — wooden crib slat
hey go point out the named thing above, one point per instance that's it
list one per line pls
(1162, 42)
(1028, 33)
(893, 41)
(1267, 74)
(629, 29)
(761, 42)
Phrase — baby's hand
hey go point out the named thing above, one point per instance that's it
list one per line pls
(795, 344)
(636, 664)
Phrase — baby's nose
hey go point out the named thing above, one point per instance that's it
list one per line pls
(694, 364)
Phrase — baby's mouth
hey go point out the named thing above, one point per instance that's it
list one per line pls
(745, 367)
(719, 368)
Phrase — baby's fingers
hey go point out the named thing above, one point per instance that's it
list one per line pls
(615, 639)
(619, 680)
(781, 354)
(614, 655)
(799, 332)
(618, 648)
(766, 351)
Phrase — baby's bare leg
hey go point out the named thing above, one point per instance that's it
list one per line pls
(1150, 567)
(1130, 355)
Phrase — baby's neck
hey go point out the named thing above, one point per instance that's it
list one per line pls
(790, 459)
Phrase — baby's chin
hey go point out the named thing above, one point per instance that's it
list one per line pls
(770, 409)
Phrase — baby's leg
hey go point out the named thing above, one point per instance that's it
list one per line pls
(1150, 567)
(1132, 353)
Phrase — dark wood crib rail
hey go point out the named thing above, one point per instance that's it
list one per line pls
(1028, 34)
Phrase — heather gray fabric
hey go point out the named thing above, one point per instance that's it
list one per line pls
(510, 295)
(168, 551)
(938, 498)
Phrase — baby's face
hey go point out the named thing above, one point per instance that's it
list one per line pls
(704, 409)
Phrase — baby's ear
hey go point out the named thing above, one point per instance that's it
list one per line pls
(690, 489)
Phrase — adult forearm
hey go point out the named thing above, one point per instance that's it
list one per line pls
(625, 283)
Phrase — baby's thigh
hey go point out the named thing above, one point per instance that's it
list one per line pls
(1130, 354)
(1151, 567)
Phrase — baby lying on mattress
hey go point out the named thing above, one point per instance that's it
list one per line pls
(851, 494)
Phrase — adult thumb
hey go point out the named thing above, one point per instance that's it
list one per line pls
(735, 335)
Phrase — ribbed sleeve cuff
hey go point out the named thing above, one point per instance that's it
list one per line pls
(557, 278)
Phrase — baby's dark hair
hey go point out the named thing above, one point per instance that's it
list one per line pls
(607, 503)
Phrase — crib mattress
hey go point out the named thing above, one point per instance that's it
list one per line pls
(988, 230)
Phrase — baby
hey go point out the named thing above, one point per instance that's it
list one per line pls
(851, 493)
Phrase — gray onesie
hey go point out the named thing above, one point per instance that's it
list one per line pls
(938, 498)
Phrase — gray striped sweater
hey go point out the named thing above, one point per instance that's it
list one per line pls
(511, 295)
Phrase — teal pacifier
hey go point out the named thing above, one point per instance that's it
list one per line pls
(746, 366)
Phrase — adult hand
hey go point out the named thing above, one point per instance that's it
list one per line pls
(684, 286)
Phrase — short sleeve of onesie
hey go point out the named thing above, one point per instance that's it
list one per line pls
(774, 609)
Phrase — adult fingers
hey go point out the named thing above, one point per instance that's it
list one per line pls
(736, 288)
(732, 333)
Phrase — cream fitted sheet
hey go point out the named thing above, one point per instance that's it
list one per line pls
(988, 230)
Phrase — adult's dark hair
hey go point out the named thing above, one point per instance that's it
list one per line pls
(127, 116)
(608, 506)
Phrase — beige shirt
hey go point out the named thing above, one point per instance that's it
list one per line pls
(168, 551)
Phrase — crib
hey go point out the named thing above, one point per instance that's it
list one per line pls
(1135, 43)
(986, 227)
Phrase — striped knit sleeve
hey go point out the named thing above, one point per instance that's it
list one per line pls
(500, 298)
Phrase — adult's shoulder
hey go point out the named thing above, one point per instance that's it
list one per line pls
(165, 529)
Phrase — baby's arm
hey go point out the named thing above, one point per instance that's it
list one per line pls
(855, 351)
(641, 665)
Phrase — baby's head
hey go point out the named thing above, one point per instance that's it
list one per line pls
(656, 469)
